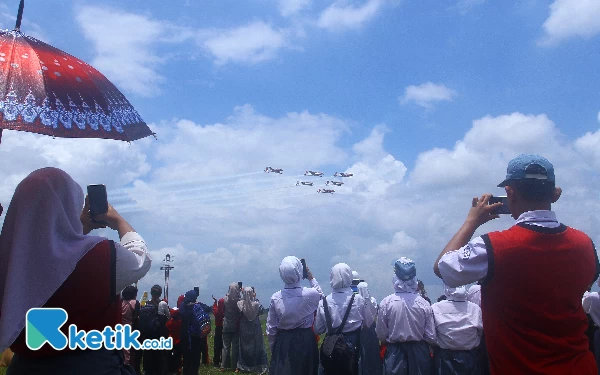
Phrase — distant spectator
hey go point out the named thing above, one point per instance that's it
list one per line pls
(174, 327)
(252, 357)
(130, 314)
(533, 276)
(48, 260)
(231, 324)
(219, 313)
(155, 361)
(369, 360)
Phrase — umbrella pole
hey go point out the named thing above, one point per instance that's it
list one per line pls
(20, 15)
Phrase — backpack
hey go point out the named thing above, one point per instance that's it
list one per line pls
(200, 322)
(150, 323)
(336, 354)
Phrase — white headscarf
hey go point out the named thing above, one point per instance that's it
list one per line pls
(249, 307)
(42, 241)
(409, 286)
(290, 271)
(340, 277)
(455, 294)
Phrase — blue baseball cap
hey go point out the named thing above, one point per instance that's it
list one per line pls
(528, 167)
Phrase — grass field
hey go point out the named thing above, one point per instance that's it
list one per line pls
(204, 370)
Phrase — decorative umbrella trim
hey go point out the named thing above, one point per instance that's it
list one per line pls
(121, 114)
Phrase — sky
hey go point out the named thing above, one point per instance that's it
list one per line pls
(424, 102)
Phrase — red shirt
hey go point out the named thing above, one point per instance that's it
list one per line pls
(219, 312)
(88, 296)
(531, 300)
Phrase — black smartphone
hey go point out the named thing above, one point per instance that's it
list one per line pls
(98, 200)
(240, 284)
(197, 290)
(304, 272)
(502, 210)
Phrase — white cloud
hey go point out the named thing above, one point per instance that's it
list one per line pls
(289, 8)
(126, 46)
(427, 93)
(253, 43)
(464, 6)
(341, 16)
(571, 18)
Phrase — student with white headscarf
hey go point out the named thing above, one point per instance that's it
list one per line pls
(231, 324)
(405, 323)
(289, 322)
(458, 327)
(48, 260)
(338, 301)
(253, 357)
(370, 359)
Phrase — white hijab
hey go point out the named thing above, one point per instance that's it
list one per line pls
(408, 286)
(340, 277)
(249, 307)
(42, 241)
(455, 294)
(290, 271)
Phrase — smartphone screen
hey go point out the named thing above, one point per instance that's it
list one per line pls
(502, 210)
(98, 199)
(304, 272)
(240, 284)
(197, 290)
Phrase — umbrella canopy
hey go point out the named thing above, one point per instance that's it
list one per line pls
(47, 91)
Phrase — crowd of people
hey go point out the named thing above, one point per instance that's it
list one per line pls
(515, 301)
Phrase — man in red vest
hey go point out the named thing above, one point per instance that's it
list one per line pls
(533, 276)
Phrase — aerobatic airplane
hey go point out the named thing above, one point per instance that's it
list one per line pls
(336, 183)
(306, 183)
(276, 170)
(325, 191)
(342, 174)
(311, 173)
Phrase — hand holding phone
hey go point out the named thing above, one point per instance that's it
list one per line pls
(98, 201)
(240, 285)
(500, 210)
(304, 270)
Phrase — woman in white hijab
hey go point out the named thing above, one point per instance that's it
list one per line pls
(252, 357)
(405, 323)
(370, 359)
(459, 327)
(338, 302)
(48, 260)
(289, 322)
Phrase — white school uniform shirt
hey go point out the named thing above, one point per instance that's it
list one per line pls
(132, 260)
(292, 307)
(405, 316)
(458, 322)
(591, 305)
(338, 303)
(470, 263)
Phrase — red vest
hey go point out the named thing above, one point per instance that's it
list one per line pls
(531, 300)
(88, 296)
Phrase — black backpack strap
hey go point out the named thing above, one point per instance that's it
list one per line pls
(341, 327)
(327, 316)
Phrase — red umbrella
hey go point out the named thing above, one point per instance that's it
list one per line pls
(47, 91)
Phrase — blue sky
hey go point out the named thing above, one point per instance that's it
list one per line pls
(424, 101)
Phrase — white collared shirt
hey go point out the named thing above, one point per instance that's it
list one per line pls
(338, 303)
(133, 260)
(458, 324)
(405, 316)
(469, 264)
